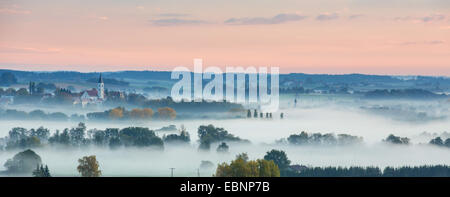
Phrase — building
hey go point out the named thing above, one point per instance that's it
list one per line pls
(93, 96)
(101, 88)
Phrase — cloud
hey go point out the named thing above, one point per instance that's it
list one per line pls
(176, 22)
(14, 10)
(98, 18)
(431, 18)
(355, 16)
(424, 19)
(103, 18)
(431, 42)
(280, 18)
(327, 16)
(6, 49)
(172, 15)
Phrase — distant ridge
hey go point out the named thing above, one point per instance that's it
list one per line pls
(165, 75)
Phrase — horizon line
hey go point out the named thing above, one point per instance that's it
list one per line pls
(146, 70)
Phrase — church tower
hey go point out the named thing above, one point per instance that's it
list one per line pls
(100, 88)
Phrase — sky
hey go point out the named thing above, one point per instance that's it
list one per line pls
(395, 37)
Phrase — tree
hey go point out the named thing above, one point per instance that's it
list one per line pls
(255, 114)
(41, 171)
(268, 168)
(136, 114)
(397, 140)
(279, 157)
(89, 167)
(166, 113)
(77, 134)
(437, 141)
(447, 142)
(116, 113)
(148, 113)
(210, 134)
(42, 133)
(145, 113)
(249, 113)
(23, 162)
(22, 92)
(222, 148)
(242, 167)
(183, 137)
(140, 137)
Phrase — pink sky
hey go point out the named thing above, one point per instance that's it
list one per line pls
(408, 37)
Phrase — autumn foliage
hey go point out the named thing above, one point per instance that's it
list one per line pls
(145, 113)
(116, 113)
(166, 113)
(89, 167)
(242, 167)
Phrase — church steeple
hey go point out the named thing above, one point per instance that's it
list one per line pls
(100, 79)
(100, 88)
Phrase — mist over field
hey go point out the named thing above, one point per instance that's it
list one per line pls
(420, 121)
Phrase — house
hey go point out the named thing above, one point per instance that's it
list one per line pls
(93, 96)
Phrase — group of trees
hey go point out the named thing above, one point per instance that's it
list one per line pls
(439, 142)
(21, 138)
(406, 171)
(305, 138)
(280, 158)
(260, 114)
(209, 135)
(41, 171)
(397, 140)
(120, 113)
(403, 94)
(12, 114)
(276, 163)
(30, 163)
(243, 167)
(23, 163)
(79, 136)
(182, 138)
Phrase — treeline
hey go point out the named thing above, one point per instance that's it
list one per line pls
(77, 137)
(12, 114)
(120, 113)
(403, 94)
(330, 139)
(439, 142)
(276, 163)
(109, 81)
(405, 171)
(80, 136)
(305, 138)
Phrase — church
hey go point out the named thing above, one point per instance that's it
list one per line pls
(93, 96)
